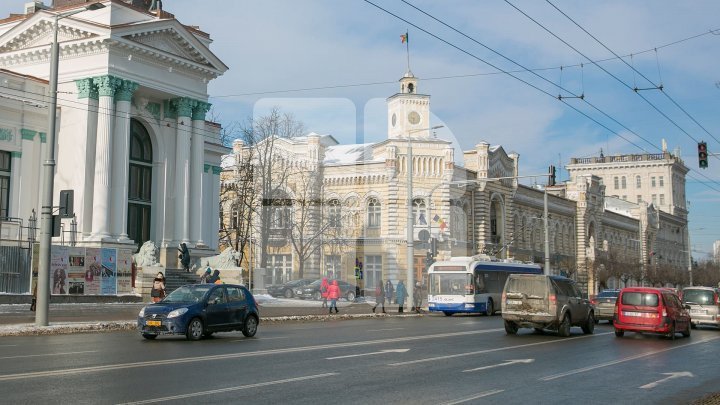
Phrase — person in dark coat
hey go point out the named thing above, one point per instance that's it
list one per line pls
(184, 257)
(380, 296)
(158, 287)
(389, 291)
(400, 295)
(204, 278)
(215, 277)
(417, 297)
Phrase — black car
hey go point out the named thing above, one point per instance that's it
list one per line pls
(312, 290)
(199, 310)
(287, 289)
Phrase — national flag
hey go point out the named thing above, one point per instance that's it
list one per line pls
(436, 218)
(404, 38)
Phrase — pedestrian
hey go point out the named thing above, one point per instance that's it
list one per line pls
(400, 295)
(324, 285)
(34, 298)
(334, 295)
(215, 278)
(184, 257)
(417, 297)
(204, 278)
(158, 288)
(380, 296)
(389, 291)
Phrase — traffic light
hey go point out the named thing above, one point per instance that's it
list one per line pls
(551, 176)
(702, 155)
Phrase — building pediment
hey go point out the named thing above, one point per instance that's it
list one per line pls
(169, 41)
(39, 33)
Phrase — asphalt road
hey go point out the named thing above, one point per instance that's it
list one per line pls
(388, 360)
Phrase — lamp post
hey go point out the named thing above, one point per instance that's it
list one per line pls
(46, 210)
(410, 275)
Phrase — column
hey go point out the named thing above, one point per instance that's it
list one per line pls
(184, 107)
(30, 175)
(121, 158)
(88, 94)
(14, 206)
(107, 85)
(197, 164)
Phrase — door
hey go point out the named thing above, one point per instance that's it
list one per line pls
(237, 306)
(217, 314)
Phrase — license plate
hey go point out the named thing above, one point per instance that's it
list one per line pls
(698, 311)
(628, 313)
(154, 323)
(514, 302)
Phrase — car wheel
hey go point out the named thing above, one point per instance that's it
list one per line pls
(288, 293)
(489, 308)
(350, 296)
(511, 327)
(317, 296)
(686, 333)
(671, 334)
(589, 326)
(619, 332)
(195, 329)
(250, 327)
(447, 313)
(149, 336)
(564, 328)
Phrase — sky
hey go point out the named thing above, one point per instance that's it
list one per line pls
(332, 63)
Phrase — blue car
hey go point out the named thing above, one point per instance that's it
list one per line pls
(199, 310)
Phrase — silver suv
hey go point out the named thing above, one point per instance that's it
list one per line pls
(704, 306)
(545, 302)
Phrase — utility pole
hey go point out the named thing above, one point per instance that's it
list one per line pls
(546, 270)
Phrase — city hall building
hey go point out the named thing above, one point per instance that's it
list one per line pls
(476, 208)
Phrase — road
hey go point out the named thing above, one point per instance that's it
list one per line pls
(389, 360)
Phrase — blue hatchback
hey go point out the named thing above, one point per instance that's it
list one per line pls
(199, 310)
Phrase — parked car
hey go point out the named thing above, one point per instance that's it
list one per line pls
(312, 290)
(199, 310)
(287, 289)
(604, 304)
(545, 302)
(704, 306)
(652, 310)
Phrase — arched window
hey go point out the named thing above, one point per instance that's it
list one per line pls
(333, 213)
(419, 211)
(139, 183)
(373, 213)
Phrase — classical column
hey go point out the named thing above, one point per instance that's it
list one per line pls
(88, 96)
(14, 207)
(107, 85)
(121, 158)
(184, 107)
(30, 174)
(197, 164)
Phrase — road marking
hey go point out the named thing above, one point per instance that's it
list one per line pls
(227, 356)
(8, 345)
(623, 360)
(480, 395)
(382, 330)
(369, 354)
(51, 354)
(231, 389)
(669, 377)
(257, 338)
(497, 349)
(506, 363)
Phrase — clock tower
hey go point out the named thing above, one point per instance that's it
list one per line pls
(408, 111)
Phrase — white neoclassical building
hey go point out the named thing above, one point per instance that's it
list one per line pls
(133, 142)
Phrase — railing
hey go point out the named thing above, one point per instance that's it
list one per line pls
(624, 158)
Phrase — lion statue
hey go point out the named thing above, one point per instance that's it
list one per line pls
(227, 259)
(146, 255)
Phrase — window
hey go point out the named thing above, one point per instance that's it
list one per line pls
(373, 213)
(639, 199)
(139, 183)
(334, 219)
(279, 269)
(652, 181)
(280, 216)
(217, 296)
(234, 217)
(4, 183)
(332, 266)
(616, 182)
(235, 294)
(662, 181)
(662, 199)
(419, 211)
(654, 199)
(638, 182)
(373, 271)
(624, 182)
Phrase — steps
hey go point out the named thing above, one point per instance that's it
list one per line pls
(175, 278)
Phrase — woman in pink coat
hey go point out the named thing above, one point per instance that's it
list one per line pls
(324, 285)
(334, 295)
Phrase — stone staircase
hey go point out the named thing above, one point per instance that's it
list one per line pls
(175, 278)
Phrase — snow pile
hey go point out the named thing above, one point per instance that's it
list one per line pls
(65, 328)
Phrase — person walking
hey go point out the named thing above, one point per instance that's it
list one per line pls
(380, 296)
(334, 295)
(389, 291)
(324, 285)
(184, 257)
(158, 288)
(400, 295)
(204, 278)
(417, 297)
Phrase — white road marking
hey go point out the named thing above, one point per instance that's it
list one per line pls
(8, 345)
(382, 330)
(231, 389)
(369, 354)
(497, 349)
(506, 363)
(257, 338)
(623, 360)
(227, 356)
(43, 355)
(480, 395)
(669, 377)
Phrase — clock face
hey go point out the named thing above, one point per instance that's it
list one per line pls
(414, 117)
(394, 119)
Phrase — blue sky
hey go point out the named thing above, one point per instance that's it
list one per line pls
(348, 56)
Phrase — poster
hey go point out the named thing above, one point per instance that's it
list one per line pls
(124, 271)
(76, 270)
(108, 277)
(92, 271)
(58, 270)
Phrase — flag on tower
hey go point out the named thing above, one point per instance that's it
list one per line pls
(404, 38)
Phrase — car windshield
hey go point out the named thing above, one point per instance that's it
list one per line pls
(530, 286)
(640, 299)
(702, 297)
(608, 294)
(188, 293)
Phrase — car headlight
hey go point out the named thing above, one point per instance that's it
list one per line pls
(298, 291)
(177, 312)
(142, 313)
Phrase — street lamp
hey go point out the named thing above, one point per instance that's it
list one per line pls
(46, 210)
(410, 276)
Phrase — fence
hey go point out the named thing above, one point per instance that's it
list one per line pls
(16, 268)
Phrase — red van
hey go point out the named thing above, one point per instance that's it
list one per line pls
(651, 310)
